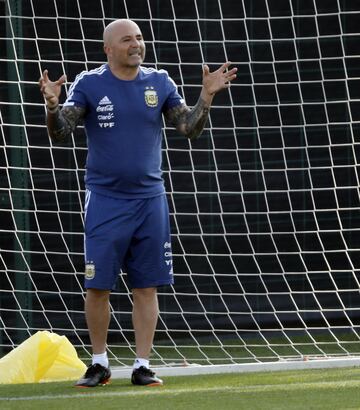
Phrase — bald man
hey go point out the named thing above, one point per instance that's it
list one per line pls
(121, 105)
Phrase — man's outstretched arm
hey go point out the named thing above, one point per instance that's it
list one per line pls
(60, 124)
(191, 122)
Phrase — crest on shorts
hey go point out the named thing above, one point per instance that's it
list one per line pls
(89, 270)
(151, 97)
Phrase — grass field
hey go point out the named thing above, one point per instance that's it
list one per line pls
(310, 389)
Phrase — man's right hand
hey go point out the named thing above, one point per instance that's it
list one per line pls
(51, 90)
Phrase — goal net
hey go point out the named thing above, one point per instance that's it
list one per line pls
(264, 206)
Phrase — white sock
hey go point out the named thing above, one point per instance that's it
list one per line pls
(101, 359)
(141, 362)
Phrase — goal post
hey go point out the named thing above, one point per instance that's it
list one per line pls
(264, 206)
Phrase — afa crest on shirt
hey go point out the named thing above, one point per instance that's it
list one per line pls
(151, 97)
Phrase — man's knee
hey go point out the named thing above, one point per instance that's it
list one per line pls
(97, 294)
(145, 291)
(144, 294)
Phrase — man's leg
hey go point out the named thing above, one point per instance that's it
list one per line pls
(97, 312)
(145, 316)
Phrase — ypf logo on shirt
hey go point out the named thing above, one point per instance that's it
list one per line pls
(151, 97)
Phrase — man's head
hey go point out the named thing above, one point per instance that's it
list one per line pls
(124, 44)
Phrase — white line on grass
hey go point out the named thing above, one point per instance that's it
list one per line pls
(164, 391)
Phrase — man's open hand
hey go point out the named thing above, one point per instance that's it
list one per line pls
(51, 89)
(219, 79)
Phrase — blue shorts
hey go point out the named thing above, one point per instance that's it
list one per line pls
(132, 235)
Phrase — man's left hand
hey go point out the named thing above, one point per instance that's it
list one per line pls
(219, 79)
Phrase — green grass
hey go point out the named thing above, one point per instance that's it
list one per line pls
(310, 389)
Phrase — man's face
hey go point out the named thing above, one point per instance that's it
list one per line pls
(125, 45)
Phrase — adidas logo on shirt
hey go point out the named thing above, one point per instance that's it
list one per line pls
(104, 101)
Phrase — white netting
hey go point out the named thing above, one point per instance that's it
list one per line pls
(264, 206)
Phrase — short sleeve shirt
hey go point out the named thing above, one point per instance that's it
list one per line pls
(123, 124)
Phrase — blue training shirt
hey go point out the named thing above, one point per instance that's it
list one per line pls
(123, 124)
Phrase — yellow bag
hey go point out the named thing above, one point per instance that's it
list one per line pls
(43, 357)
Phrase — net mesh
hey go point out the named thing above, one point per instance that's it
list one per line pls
(264, 206)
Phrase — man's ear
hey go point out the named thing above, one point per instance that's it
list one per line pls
(107, 50)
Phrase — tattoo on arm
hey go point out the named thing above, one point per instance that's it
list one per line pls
(62, 123)
(189, 122)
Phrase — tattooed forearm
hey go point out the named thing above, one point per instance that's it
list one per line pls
(62, 123)
(196, 119)
(189, 122)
